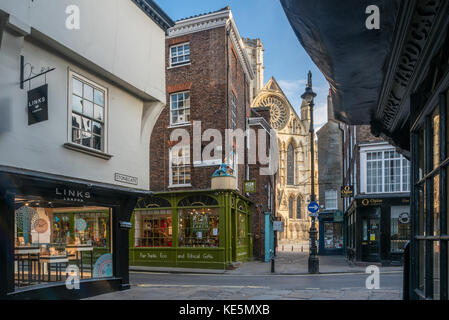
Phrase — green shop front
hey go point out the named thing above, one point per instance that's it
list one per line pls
(195, 229)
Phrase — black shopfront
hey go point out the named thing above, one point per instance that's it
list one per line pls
(330, 232)
(377, 228)
(53, 229)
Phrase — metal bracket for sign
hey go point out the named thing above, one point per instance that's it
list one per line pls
(22, 67)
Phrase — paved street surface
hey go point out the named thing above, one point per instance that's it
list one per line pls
(253, 281)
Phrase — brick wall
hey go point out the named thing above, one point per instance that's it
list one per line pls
(206, 78)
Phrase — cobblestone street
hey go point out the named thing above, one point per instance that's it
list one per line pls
(254, 281)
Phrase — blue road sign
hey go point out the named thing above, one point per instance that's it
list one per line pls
(313, 207)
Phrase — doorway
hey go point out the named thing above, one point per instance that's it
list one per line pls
(370, 239)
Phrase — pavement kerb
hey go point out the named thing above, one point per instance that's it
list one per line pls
(230, 272)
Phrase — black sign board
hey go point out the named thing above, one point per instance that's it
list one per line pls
(38, 105)
(347, 191)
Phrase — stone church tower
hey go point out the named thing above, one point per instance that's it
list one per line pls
(293, 179)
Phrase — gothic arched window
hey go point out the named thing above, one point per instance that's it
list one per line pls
(290, 165)
(290, 207)
(298, 208)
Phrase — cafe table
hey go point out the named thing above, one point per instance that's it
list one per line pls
(80, 248)
(57, 260)
(28, 252)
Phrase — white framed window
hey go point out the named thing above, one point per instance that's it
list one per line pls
(180, 171)
(179, 54)
(234, 111)
(331, 199)
(87, 112)
(387, 171)
(180, 108)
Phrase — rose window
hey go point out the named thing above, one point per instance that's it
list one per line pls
(278, 111)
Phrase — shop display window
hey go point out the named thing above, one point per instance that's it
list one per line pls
(241, 227)
(51, 236)
(400, 228)
(199, 227)
(333, 235)
(154, 228)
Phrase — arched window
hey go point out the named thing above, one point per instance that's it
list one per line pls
(290, 165)
(290, 207)
(298, 208)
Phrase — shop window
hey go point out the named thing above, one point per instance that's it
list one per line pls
(180, 108)
(333, 235)
(50, 236)
(400, 228)
(180, 171)
(290, 165)
(241, 227)
(153, 228)
(88, 110)
(179, 54)
(331, 199)
(199, 227)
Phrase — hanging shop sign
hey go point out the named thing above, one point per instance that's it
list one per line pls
(347, 191)
(338, 216)
(38, 105)
(404, 218)
(278, 226)
(250, 186)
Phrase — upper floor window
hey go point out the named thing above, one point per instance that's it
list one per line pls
(331, 199)
(88, 110)
(290, 165)
(387, 171)
(234, 111)
(179, 54)
(180, 173)
(180, 108)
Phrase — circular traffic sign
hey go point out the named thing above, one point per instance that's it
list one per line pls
(313, 207)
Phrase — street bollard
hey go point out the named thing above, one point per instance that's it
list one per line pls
(292, 248)
(272, 265)
(302, 249)
(282, 247)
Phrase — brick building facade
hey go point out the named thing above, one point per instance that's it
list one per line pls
(208, 78)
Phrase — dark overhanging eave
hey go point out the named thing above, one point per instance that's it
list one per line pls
(352, 58)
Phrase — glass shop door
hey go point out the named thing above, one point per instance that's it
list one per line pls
(370, 239)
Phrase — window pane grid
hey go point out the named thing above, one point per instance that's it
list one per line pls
(180, 54)
(87, 114)
(180, 107)
(180, 166)
(387, 171)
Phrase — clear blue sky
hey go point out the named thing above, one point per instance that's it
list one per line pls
(284, 57)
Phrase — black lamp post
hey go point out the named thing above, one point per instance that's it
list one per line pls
(308, 95)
